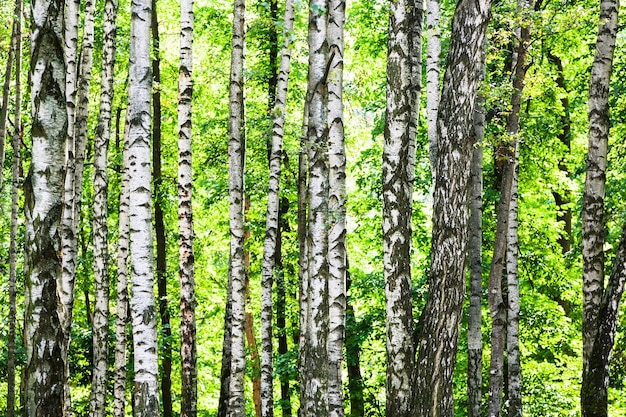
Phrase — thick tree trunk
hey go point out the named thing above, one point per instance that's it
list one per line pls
(271, 250)
(433, 70)
(599, 311)
(236, 154)
(45, 387)
(144, 316)
(15, 184)
(439, 328)
(189, 372)
(593, 197)
(336, 208)
(121, 305)
(398, 175)
(100, 214)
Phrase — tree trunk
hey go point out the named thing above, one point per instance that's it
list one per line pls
(336, 208)
(474, 322)
(599, 312)
(271, 250)
(398, 176)
(121, 305)
(593, 197)
(236, 154)
(315, 389)
(439, 328)
(43, 191)
(433, 70)
(227, 355)
(144, 317)
(189, 372)
(4, 105)
(15, 184)
(100, 214)
(281, 305)
(353, 360)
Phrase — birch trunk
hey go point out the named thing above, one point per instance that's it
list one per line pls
(121, 305)
(315, 388)
(336, 208)
(433, 71)
(599, 310)
(142, 270)
(100, 214)
(15, 184)
(398, 177)
(189, 376)
(236, 155)
(440, 327)
(593, 197)
(227, 355)
(271, 248)
(44, 375)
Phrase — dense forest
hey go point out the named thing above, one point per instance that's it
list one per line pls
(325, 208)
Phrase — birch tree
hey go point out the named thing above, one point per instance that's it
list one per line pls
(44, 376)
(600, 306)
(100, 215)
(271, 244)
(439, 328)
(143, 310)
(433, 72)
(189, 377)
(398, 177)
(236, 157)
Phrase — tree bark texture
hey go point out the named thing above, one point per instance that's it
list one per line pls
(439, 328)
(271, 247)
(315, 381)
(100, 215)
(189, 376)
(595, 181)
(44, 375)
(15, 184)
(398, 178)
(236, 155)
(144, 315)
(336, 208)
(433, 70)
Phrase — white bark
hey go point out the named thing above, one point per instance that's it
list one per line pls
(100, 214)
(433, 69)
(142, 301)
(236, 155)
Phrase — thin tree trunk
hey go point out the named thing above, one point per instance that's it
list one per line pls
(337, 255)
(433, 71)
(599, 311)
(315, 388)
(271, 250)
(100, 214)
(189, 372)
(236, 154)
(593, 197)
(474, 330)
(227, 355)
(144, 316)
(281, 305)
(15, 184)
(45, 387)
(353, 360)
(439, 328)
(251, 345)
(121, 305)
(398, 176)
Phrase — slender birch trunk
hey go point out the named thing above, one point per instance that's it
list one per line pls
(44, 375)
(143, 309)
(315, 388)
(100, 214)
(271, 244)
(595, 181)
(433, 72)
(440, 328)
(398, 176)
(236, 155)
(15, 184)
(227, 355)
(121, 305)
(337, 256)
(599, 309)
(189, 375)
